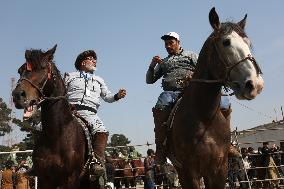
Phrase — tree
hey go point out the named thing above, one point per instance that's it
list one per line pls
(29, 126)
(5, 125)
(118, 140)
(5, 118)
(4, 157)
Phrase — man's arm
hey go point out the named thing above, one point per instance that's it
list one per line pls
(154, 71)
(107, 95)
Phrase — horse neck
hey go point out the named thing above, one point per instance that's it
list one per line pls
(56, 113)
(58, 88)
(204, 98)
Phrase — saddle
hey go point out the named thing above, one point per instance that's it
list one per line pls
(92, 166)
(86, 128)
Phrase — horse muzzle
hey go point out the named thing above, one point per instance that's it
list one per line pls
(19, 98)
(249, 89)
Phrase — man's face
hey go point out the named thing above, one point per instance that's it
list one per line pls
(89, 64)
(172, 46)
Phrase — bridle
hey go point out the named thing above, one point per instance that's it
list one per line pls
(228, 68)
(48, 76)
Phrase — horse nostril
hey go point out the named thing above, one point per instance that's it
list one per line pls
(249, 85)
(19, 94)
(22, 93)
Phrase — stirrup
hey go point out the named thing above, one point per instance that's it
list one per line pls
(96, 169)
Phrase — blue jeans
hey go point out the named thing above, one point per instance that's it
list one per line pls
(149, 183)
(167, 99)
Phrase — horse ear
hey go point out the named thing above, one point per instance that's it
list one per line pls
(242, 23)
(21, 69)
(49, 54)
(214, 19)
(27, 54)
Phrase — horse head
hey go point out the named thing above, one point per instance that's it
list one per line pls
(37, 80)
(231, 52)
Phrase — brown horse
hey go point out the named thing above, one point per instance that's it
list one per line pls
(59, 154)
(138, 167)
(119, 172)
(127, 171)
(200, 137)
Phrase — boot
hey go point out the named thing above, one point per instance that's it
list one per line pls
(99, 142)
(160, 119)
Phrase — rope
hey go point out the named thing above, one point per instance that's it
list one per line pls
(251, 109)
(126, 146)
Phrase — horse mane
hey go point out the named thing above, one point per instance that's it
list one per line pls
(37, 59)
(207, 48)
(228, 27)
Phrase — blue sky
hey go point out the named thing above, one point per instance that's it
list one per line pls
(126, 35)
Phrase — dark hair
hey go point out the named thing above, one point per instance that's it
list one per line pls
(150, 151)
(82, 56)
(9, 164)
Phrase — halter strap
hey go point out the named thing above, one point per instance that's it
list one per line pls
(39, 89)
(228, 69)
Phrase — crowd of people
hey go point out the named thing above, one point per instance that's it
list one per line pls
(13, 175)
(153, 174)
(264, 163)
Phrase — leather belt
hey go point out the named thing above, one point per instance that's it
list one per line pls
(83, 107)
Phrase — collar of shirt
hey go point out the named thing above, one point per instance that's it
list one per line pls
(87, 76)
(178, 53)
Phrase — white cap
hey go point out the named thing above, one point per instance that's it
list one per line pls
(170, 34)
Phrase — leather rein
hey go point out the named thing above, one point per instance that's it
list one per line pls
(48, 77)
(228, 68)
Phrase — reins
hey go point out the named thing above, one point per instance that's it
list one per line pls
(40, 89)
(228, 68)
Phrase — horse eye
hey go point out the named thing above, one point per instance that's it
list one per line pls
(227, 42)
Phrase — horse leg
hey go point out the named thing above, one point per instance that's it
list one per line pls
(188, 181)
(117, 183)
(126, 182)
(44, 185)
(72, 182)
(133, 182)
(216, 180)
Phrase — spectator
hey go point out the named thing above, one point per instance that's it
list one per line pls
(22, 180)
(133, 153)
(8, 176)
(109, 172)
(272, 171)
(252, 173)
(149, 165)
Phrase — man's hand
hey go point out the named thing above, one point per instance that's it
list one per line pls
(156, 60)
(188, 77)
(121, 93)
